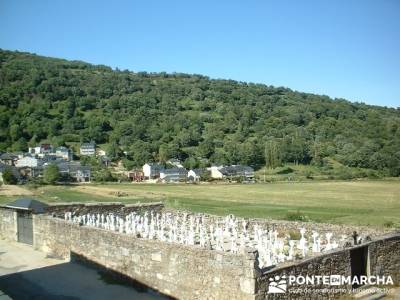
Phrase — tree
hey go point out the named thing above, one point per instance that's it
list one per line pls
(9, 177)
(168, 151)
(162, 116)
(20, 145)
(113, 151)
(206, 148)
(103, 175)
(205, 176)
(140, 153)
(191, 163)
(394, 164)
(51, 174)
(316, 153)
(128, 164)
(272, 154)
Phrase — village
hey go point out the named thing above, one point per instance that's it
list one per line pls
(24, 167)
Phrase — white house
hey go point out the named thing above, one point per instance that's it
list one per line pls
(194, 175)
(41, 150)
(246, 173)
(88, 148)
(28, 162)
(34, 150)
(215, 172)
(64, 153)
(152, 170)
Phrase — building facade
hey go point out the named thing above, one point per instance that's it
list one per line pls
(152, 170)
(88, 149)
(173, 175)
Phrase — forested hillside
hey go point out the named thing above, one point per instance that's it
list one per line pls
(190, 117)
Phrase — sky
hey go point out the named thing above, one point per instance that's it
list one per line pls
(343, 48)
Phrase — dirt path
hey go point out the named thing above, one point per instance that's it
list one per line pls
(14, 190)
(112, 191)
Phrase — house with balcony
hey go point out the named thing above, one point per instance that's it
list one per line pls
(88, 149)
(41, 150)
(75, 171)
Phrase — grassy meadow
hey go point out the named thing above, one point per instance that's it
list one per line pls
(349, 202)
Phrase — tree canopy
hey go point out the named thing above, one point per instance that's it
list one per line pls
(51, 174)
(157, 116)
(9, 177)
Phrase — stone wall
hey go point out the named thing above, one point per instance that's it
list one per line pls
(384, 255)
(189, 272)
(116, 208)
(184, 272)
(337, 263)
(8, 224)
(384, 259)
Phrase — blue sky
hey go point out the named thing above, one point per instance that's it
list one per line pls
(341, 48)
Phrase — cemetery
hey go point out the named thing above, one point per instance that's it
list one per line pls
(228, 234)
(192, 255)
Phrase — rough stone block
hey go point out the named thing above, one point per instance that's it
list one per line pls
(167, 291)
(124, 251)
(248, 286)
(156, 257)
(135, 258)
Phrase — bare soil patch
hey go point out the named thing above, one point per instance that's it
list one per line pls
(14, 190)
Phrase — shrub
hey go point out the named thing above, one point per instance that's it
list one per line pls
(345, 173)
(388, 224)
(286, 170)
(51, 174)
(296, 216)
(373, 174)
(35, 182)
(103, 175)
(9, 177)
(206, 176)
(294, 235)
(309, 175)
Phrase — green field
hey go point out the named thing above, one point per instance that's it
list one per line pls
(351, 202)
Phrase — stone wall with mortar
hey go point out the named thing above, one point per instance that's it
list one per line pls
(116, 208)
(384, 259)
(384, 255)
(184, 272)
(337, 263)
(8, 224)
(189, 272)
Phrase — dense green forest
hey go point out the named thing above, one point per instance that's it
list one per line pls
(156, 116)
